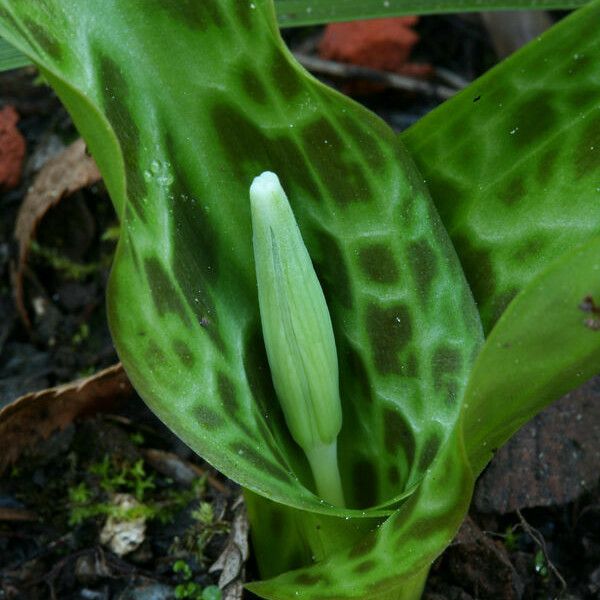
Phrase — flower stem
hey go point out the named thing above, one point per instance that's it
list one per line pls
(324, 465)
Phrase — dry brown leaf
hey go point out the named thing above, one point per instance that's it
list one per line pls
(33, 417)
(233, 558)
(17, 514)
(61, 176)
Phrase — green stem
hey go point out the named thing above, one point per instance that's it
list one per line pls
(324, 464)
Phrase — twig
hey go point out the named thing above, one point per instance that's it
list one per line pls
(17, 514)
(187, 473)
(39, 553)
(451, 78)
(539, 540)
(393, 80)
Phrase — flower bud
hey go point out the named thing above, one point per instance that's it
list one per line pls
(296, 327)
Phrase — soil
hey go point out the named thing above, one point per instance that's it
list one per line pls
(59, 502)
(55, 534)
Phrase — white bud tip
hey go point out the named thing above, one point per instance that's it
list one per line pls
(265, 187)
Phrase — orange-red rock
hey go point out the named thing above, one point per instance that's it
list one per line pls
(12, 148)
(383, 44)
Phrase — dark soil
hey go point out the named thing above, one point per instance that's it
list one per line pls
(61, 493)
(65, 489)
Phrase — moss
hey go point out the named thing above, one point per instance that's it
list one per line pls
(112, 478)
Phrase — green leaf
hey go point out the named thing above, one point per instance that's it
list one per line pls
(295, 538)
(512, 161)
(179, 136)
(547, 342)
(392, 562)
(292, 13)
(10, 57)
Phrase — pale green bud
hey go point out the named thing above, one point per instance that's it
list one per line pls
(297, 329)
(295, 319)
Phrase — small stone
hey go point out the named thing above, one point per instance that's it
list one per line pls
(89, 594)
(482, 565)
(123, 536)
(552, 460)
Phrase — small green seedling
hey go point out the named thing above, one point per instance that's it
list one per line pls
(126, 477)
(191, 589)
(541, 565)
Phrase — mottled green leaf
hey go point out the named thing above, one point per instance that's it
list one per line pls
(295, 538)
(10, 57)
(547, 342)
(393, 561)
(549, 339)
(292, 13)
(179, 133)
(179, 136)
(512, 161)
